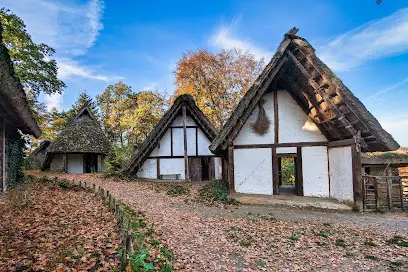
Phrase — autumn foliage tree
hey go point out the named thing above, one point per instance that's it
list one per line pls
(217, 81)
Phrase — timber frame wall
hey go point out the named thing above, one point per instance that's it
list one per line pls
(354, 143)
(185, 148)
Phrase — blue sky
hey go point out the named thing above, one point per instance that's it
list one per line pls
(100, 42)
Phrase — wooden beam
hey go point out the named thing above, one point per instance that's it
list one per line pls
(275, 172)
(299, 171)
(344, 142)
(281, 145)
(186, 170)
(64, 162)
(230, 161)
(357, 175)
(158, 167)
(171, 141)
(276, 115)
(3, 156)
(196, 138)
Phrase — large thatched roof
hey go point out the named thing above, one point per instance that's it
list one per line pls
(14, 108)
(157, 133)
(82, 135)
(316, 89)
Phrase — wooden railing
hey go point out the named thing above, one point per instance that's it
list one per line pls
(385, 192)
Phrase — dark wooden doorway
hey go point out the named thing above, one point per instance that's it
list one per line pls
(90, 163)
(201, 168)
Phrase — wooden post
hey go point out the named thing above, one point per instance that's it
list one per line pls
(3, 183)
(275, 172)
(230, 173)
(401, 193)
(357, 176)
(299, 171)
(64, 162)
(377, 200)
(389, 185)
(158, 167)
(186, 170)
(276, 116)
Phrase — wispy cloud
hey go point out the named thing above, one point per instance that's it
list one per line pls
(374, 40)
(224, 38)
(69, 68)
(397, 125)
(389, 89)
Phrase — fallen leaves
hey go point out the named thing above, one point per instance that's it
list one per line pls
(50, 228)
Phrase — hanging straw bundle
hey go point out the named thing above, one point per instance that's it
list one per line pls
(262, 124)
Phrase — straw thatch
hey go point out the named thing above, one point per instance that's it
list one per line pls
(37, 157)
(157, 133)
(14, 108)
(262, 123)
(316, 89)
(82, 135)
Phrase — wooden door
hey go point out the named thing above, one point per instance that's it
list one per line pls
(211, 170)
(195, 169)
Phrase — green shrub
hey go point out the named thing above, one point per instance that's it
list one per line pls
(117, 159)
(399, 241)
(322, 234)
(176, 190)
(340, 242)
(216, 191)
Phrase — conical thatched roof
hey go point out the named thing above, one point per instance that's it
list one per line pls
(82, 135)
(316, 89)
(157, 133)
(14, 107)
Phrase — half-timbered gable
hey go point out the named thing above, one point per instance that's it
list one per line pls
(177, 148)
(299, 111)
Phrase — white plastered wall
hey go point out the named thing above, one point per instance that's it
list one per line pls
(315, 171)
(246, 134)
(172, 166)
(286, 150)
(164, 149)
(294, 125)
(75, 163)
(191, 142)
(253, 171)
(179, 121)
(341, 173)
(148, 169)
(203, 144)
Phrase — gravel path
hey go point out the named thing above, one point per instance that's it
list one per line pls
(255, 238)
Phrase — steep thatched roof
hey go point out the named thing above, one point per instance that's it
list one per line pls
(14, 107)
(157, 133)
(82, 135)
(316, 89)
(38, 156)
(394, 159)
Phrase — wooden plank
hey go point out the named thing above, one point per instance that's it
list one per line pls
(299, 171)
(344, 142)
(186, 170)
(3, 156)
(276, 116)
(275, 172)
(402, 194)
(158, 167)
(231, 184)
(211, 166)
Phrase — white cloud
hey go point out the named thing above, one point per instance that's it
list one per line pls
(224, 39)
(374, 40)
(68, 68)
(53, 101)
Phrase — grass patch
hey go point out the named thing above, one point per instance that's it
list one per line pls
(340, 242)
(322, 234)
(371, 257)
(370, 243)
(321, 243)
(294, 237)
(260, 263)
(177, 190)
(216, 191)
(399, 241)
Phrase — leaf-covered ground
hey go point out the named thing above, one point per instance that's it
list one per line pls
(256, 238)
(45, 227)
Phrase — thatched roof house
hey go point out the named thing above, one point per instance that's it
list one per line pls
(177, 147)
(310, 117)
(15, 114)
(80, 147)
(37, 157)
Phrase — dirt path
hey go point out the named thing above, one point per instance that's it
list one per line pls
(254, 238)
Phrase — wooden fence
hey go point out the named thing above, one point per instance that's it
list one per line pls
(385, 193)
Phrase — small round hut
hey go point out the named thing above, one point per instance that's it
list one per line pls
(80, 148)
